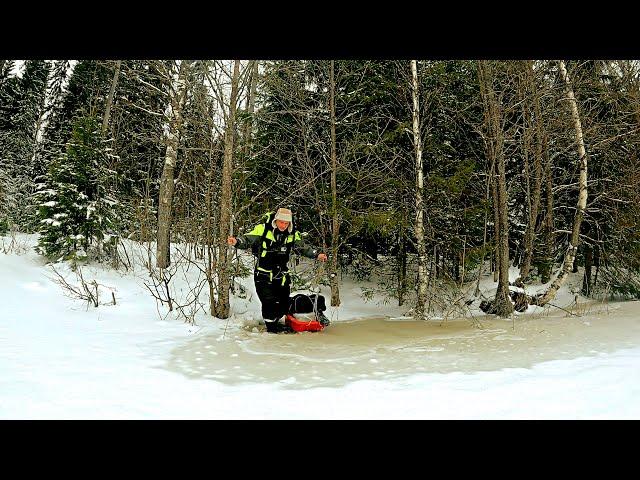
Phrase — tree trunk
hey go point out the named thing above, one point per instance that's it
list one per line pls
(166, 181)
(504, 306)
(222, 310)
(493, 120)
(402, 261)
(535, 194)
(596, 262)
(484, 242)
(419, 228)
(210, 240)
(490, 146)
(335, 225)
(496, 221)
(462, 260)
(582, 195)
(588, 263)
(251, 101)
(549, 235)
(107, 111)
(111, 181)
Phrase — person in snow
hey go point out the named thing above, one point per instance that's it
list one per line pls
(272, 243)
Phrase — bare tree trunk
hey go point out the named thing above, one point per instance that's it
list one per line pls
(493, 118)
(464, 252)
(402, 260)
(222, 310)
(549, 236)
(596, 262)
(166, 181)
(588, 264)
(484, 239)
(490, 148)
(335, 224)
(570, 254)
(107, 111)
(574, 267)
(247, 145)
(419, 227)
(211, 255)
(535, 194)
(105, 124)
(251, 101)
(496, 220)
(504, 306)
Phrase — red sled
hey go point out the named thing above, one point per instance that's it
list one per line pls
(298, 325)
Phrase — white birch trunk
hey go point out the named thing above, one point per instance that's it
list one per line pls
(572, 249)
(419, 227)
(167, 179)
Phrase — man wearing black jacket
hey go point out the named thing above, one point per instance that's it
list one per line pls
(272, 242)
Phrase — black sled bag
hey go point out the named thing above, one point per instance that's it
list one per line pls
(302, 303)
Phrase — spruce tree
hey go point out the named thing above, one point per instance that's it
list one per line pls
(9, 95)
(24, 139)
(85, 94)
(23, 101)
(52, 142)
(6, 102)
(77, 215)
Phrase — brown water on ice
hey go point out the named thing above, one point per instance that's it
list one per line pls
(375, 348)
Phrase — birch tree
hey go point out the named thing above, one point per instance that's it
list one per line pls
(419, 199)
(176, 102)
(581, 205)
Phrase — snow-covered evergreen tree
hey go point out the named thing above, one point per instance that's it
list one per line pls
(77, 216)
(83, 95)
(23, 140)
(23, 106)
(53, 131)
(9, 89)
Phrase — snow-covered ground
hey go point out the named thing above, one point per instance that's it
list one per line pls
(62, 360)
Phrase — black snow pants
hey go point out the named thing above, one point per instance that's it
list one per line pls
(273, 290)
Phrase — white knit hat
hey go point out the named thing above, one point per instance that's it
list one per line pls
(285, 215)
